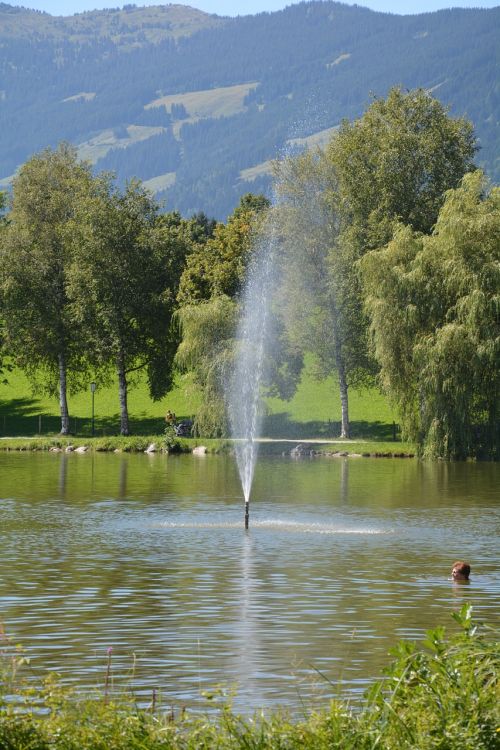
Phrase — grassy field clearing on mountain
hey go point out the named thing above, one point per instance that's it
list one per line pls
(99, 146)
(162, 182)
(218, 102)
(320, 139)
(251, 174)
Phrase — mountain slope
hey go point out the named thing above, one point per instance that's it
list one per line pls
(199, 105)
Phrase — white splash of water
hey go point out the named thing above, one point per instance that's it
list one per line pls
(280, 525)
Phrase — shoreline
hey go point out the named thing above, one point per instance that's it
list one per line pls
(155, 444)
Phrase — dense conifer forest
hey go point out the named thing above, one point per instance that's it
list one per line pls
(97, 80)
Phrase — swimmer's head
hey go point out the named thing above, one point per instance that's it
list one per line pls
(460, 571)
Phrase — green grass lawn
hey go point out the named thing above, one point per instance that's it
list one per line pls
(314, 411)
(21, 411)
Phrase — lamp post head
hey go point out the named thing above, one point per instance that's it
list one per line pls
(92, 387)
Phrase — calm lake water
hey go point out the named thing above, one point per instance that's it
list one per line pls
(148, 554)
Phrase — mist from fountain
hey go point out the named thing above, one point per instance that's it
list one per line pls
(253, 336)
(288, 270)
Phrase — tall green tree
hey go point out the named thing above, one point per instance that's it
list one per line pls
(395, 163)
(3, 224)
(321, 294)
(36, 250)
(434, 302)
(218, 263)
(207, 353)
(123, 285)
(392, 164)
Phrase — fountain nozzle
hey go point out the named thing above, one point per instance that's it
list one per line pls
(247, 513)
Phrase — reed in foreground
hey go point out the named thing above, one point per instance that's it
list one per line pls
(441, 695)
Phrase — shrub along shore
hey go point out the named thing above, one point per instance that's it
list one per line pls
(441, 694)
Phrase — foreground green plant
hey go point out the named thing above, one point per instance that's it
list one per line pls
(443, 695)
(446, 696)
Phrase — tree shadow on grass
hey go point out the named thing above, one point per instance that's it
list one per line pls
(25, 417)
(20, 407)
(110, 425)
(21, 416)
(281, 426)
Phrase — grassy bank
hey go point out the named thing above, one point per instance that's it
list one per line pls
(140, 443)
(112, 443)
(443, 694)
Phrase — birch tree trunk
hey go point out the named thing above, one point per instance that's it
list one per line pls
(344, 401)
(340, 365)
(63, 401)
(122, 393)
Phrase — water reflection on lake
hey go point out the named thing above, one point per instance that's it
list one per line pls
(148, 554)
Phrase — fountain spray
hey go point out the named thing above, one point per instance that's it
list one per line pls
(250, 368)
(292, 256)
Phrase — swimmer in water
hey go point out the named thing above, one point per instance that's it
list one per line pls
(460, 571)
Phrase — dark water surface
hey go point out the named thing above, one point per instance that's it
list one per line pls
(148, 554)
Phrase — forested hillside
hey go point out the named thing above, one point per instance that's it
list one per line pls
(197, 105)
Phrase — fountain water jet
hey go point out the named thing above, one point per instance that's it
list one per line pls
(250, 369)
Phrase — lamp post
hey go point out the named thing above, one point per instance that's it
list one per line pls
(92, 390)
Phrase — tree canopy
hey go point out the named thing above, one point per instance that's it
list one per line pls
(207, 353)
(39, 330)
(434, 302)
(123, 282)
(396, 162)
(320, 297)
(391, 164)
(218, 263)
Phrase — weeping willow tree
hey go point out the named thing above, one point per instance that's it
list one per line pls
(434, 302)
(207, 352)
(210, 297)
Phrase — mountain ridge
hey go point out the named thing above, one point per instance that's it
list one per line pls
(155, 22)
(206, 102)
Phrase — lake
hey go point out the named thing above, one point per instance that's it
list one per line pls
(148, 555)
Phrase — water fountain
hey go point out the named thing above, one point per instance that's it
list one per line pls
(289, 257)
(250, 369)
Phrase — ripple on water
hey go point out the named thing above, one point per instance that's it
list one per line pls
(152, 559)
(297, 527)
